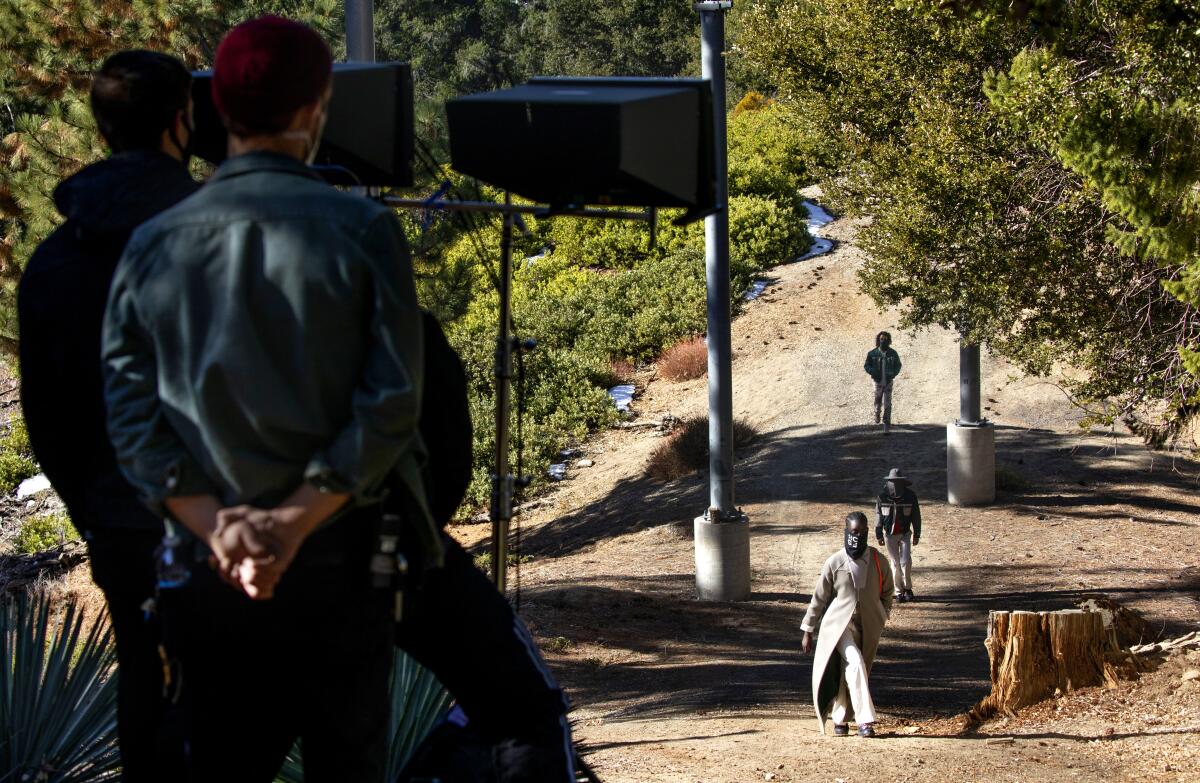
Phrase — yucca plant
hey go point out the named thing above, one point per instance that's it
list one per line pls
(418, 700)
(58, 695)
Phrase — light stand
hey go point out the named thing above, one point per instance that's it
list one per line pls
(504, 482)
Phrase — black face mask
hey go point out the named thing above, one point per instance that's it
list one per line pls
(855, 545)
(885, 344)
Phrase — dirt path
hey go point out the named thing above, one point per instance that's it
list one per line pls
(668, 688)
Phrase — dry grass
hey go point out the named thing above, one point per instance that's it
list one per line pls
(622, 371)
(686, 449)
(684, 361)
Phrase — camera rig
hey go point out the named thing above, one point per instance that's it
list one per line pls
(569, 144)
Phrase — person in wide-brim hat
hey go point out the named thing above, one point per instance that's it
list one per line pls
(898, 526)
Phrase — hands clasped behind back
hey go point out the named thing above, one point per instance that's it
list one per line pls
(253, 547)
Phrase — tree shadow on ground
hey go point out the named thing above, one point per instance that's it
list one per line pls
(1063, 475)
(681, 656)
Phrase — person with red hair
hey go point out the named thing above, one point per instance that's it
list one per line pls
(263, 366)
(265, 363)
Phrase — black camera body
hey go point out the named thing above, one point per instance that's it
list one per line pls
(368, 137)
(569, 142)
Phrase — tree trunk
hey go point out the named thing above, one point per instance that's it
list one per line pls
(1035, 654)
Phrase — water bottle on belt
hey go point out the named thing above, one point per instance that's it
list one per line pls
(389, 566)
(173, 568)
(173, 571)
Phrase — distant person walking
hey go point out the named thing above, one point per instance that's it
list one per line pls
(849, 606)
(883, 365)
(898, 523)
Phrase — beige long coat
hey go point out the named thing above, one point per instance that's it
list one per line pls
(830, 611)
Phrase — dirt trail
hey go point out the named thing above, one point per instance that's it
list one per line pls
(670, 689)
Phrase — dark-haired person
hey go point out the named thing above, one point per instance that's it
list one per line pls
(883, 365)
(263, 355)
(141, 103)
(849, 606)
(265, 366)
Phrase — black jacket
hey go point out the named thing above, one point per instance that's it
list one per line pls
(897, 516)
(61, 302)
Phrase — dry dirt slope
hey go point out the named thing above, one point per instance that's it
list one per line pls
(667, 688)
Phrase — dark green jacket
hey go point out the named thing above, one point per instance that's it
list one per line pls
(881, 364)
(262, 333)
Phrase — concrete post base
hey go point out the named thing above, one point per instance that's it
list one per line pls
(971, 464)
(722, 559)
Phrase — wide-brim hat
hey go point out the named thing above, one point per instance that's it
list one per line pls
(894, 475)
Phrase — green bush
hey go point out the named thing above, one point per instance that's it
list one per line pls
(16, 457)
(602, 294)
(766, 153)
(44, 531)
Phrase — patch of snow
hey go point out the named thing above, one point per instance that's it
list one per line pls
(531, 260)
(817, 216)
(557, 471)
(820, 247)
(33, 486)
(622, 395)
(817, 219)
(755, 290)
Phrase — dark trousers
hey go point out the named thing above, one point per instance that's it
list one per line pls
(459, 627)
(311, 664)
(150, 735)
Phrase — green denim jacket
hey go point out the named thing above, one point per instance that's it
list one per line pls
(882, 364)
(262, 333)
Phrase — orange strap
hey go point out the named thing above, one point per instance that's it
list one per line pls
(879, 571)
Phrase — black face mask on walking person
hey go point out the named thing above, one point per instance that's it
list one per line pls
(856, 544)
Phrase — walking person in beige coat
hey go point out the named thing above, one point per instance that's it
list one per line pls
(849, 606)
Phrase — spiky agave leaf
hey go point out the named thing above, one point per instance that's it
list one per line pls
(418, 700)
(58, 720)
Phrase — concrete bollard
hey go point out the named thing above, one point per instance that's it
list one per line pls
(971, 463)
(722, 559)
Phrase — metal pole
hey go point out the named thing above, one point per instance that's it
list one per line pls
(722, 534)
(502, 478)
(971, 439)
(716, 251)
(969, 411)
(360, 31)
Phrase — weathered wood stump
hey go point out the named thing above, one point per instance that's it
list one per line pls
(1035, 654)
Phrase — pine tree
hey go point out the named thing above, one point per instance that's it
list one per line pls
(49, 50)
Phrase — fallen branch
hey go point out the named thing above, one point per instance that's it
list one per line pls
(1188, 640)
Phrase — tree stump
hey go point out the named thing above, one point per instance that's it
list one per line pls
(1035, 654)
